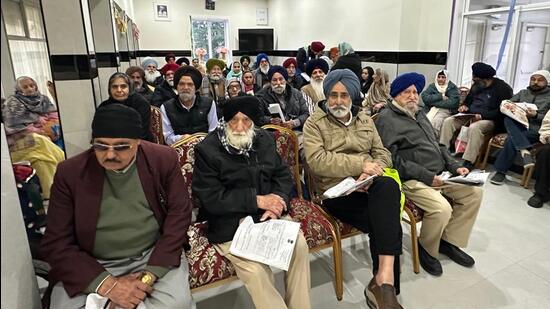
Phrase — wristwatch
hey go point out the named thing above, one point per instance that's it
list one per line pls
(147, 278)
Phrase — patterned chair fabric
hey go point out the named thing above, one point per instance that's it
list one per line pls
(186, 157)
(156, 125)
(315, 227)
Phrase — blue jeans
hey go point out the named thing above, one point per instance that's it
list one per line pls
(519, 138)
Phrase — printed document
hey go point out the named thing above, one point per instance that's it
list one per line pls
(275, 109)
(271, 242)
(347, 186)
(474, 178)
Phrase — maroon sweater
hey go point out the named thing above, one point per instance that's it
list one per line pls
(74, 208)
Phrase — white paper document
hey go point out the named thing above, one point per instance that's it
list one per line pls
(347, 186)
(463, 115)
(474, 178)
(276, 109)
(271, 242)
(525, 106)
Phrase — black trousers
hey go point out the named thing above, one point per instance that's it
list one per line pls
(542, 172)
(376, 212)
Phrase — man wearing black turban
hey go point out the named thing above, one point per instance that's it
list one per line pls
(238, 173)
(483, 105)
(340, 141)
(117, 220)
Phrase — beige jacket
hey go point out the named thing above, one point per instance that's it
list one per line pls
(334, 151)
(544, 130)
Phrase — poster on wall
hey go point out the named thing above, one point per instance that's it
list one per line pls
(162, 11)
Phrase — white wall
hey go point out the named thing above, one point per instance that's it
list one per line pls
(176, 34)
(425, 25)
(365, 24)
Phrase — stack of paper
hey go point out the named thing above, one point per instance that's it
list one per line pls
(347, 186)
(475, 178)
(271, 242)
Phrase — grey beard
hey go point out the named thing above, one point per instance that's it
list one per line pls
(151, 77)
(338, 112)
(215, 78)
(318, 88)
(278, 90)
(239, 141)
(170, 82)
(264, 70)
(185, 97)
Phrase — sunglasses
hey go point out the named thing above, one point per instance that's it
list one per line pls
(117, 148)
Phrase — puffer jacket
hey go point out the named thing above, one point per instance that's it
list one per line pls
(334, 151)
(295, 107)
(433, 98)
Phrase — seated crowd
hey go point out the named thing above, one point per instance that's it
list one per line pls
(118, 215)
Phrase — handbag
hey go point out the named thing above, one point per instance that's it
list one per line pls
(462, 139)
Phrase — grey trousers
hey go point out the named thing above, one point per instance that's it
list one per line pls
(170, 292)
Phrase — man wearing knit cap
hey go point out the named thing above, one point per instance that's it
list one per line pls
(152, 75)
(245, 64)
(290, 100)
(189, 112)
(238, 173)
(117, 220)
(316, 69)
(165, 90)
(483, 105)
(137, 75)
(521, 139)
(408, 134)
(317, 48)
(294, 78)
(213, 84)
(262, 67)
(340, 141)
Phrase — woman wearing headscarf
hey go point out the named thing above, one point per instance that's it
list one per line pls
(121, 90)
(249, 83)
(379, 92)
(348, 59)
(440, 99)
(32, 126)
(367, 77)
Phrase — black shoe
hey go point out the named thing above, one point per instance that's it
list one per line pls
(527, 160)
(498, 178)
(430, 264)
(469, 165)
(535, 201)
(454, 253)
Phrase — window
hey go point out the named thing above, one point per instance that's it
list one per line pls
(27, 42)
(211, 34)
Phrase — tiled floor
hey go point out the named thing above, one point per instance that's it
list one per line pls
(510, 242)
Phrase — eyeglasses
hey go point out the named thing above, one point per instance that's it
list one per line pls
(117, 148)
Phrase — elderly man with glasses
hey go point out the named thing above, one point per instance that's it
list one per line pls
(117, 220)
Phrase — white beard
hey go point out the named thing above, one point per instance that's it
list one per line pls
(278, 89)
(170, 82)
(151, 77)
(239, 140)
(318, 88)
(339, 111)
(264, 70)
(186, 97)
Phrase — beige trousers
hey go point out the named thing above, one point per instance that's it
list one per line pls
(477, 132)
(441, 221)
(259, 281)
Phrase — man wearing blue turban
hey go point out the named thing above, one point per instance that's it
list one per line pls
(408, 134)
(341, 141)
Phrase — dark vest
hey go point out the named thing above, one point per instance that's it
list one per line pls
(192, 121)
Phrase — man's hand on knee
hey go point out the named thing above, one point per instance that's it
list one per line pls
(129, 291)
(271, 202)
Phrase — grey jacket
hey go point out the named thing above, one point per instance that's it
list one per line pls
(415, 151)
(541, 99)
(431, 97)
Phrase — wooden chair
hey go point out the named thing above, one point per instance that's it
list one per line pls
(497, 142)
(209, 269)
(155, 125)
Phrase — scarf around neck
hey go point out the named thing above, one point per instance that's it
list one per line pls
(220, 130)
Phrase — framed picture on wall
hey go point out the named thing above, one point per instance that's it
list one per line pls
(162, 11)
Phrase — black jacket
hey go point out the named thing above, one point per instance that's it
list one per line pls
(296, 105)
(416, 154)
(163, 93)
(349, 61)
(486, 102)
(137, 102)
(227, 184)
(146, 92)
